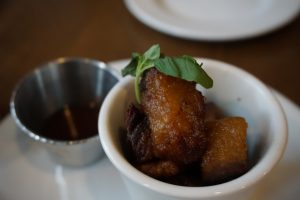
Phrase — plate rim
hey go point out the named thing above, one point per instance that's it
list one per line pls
(147, 18)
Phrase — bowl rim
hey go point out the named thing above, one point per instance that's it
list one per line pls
(54, 64)
(256, 173)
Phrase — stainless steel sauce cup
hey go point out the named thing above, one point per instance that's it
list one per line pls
(50, 87)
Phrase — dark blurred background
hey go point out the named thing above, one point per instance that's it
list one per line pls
(33, 32)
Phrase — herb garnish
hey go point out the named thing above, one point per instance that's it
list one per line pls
(184, 67)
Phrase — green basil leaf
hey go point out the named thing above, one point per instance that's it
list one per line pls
(184, 67)
(144, 62)
(130, 69)
(152, 53)
(148, 64)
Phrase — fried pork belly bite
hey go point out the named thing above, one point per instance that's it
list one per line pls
(175, 110)
(139, 140)
(160, 168)
(226, 156)
(138, 134)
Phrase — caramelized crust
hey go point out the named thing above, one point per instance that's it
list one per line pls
(226, 156)
(175, 110)
(138, 134)
(160, 169)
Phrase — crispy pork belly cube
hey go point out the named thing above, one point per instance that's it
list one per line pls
(160, 168)
(226, 156)
(138, 135)
(175, 110)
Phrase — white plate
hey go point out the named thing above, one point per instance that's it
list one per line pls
(214, 20)
(27, 173)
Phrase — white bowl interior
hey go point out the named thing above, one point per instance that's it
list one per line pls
(238, 94)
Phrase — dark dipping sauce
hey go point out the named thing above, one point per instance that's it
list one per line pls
(72, 122)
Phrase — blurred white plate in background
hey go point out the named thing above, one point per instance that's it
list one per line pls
(214, 20)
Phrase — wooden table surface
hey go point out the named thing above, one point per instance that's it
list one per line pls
(33, 32)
